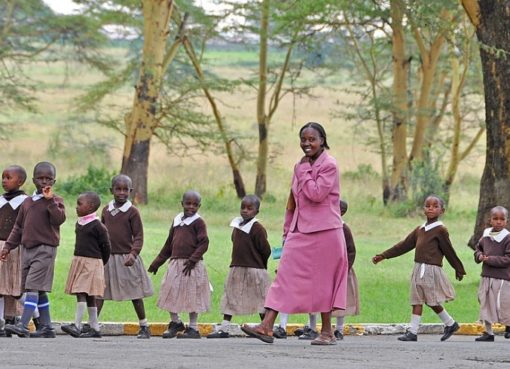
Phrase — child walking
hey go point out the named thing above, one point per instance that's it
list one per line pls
(185, 286)
(13, 177)
(37, 229)
(352, 307)
(493, 251)
(429, 283)
(247, 281)
(86, 274)
(125, 275)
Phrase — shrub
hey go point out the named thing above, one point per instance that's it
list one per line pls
(96, 179)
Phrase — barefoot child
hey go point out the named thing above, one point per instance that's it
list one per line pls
(37, 229)
(125, 275)
(13, 178)
(86, 274)
(493, 251)
(185, 286)
(352, 281)
(247, 281)
(429, 283)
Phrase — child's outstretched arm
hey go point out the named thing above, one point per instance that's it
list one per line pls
(377, 259)
(164, 254)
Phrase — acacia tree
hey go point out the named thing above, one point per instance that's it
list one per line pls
(491, 20)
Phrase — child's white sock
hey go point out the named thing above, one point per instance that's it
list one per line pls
(2, 307)
(193, 321)
(313, 321)
(143, 322)
(93, 317)
(340, 324)
(284, 318)
(174, 317)
(80, 310)
(224, 324)
(446, 318)
(488, 327)
(415, 323)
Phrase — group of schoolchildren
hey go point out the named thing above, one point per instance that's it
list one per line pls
(107, 265)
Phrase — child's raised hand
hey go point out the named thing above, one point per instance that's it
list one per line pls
(188, 266)
(483, 257)
(377, 258)
(130, 260)
(3, 254)
(47, 192)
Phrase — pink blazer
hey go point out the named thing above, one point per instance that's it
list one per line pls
(316, 191)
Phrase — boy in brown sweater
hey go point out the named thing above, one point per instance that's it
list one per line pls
(37, 229)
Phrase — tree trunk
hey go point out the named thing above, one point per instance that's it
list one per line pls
(141, 121)
(398, 182)
(492, 21)
(262, 117)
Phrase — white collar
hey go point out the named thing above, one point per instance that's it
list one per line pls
(245, 228)
(15, 202)
(86, 219)
(178, 221)
(37, 196)
(430, 226)
(499, 237)
(114, 211)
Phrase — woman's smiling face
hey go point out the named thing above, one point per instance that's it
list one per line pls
(311, 143)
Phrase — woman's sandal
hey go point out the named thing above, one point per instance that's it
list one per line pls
(324, 341)
(258, 332)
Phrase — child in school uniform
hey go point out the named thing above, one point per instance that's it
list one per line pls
(247, 281)
(493, 251)
(86, 274)
(13, 177)
(429, 283)
(352, 307)
(125, 275)
(185, 286)
(37, 229)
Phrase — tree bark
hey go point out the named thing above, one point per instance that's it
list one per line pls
(398, 182)
(141, 121)
(492, 21)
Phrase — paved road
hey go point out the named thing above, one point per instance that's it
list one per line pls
(354, 352)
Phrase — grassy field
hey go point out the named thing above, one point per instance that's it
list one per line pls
(383, 288)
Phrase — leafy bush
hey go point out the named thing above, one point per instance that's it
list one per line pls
(425, 180)
(96, 179)
(362, 172)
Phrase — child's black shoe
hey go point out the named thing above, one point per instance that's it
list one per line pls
(71, 329)
(173, 328)
(308, 334)
(408, 337)
(485, 337)
(448, 331)
(91, 333)
(37, 323)
(143, 333)
(19, 329)
(338, 335)
(189, 333)
(299, 331)
(45, 331)
(279, 333)
(507, 331)
(219, 334)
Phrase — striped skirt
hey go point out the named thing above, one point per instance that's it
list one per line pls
(126, 282)
(10, 273)
(180, 293)
(494, 298)
(352, 307)
(245, 291)
(86, 275)
(430, 285)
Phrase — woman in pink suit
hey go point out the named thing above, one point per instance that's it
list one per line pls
(312, 275)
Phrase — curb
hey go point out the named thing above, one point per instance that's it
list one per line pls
(157, 329)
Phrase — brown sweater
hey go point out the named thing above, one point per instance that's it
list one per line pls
(125, 230)
(498, 264)
(184, 242)
(351, 247)
(92, 241)
(38, 223)
(252, 249)
(431, 247)
(8, 215)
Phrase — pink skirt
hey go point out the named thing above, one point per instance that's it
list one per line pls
(312, 275)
